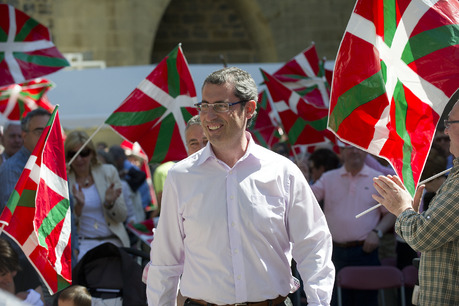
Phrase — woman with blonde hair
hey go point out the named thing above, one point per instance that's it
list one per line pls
(96, 187)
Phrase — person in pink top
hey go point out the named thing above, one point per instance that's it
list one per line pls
(346, 192)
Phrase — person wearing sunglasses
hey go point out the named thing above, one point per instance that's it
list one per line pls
(433, 232)
(99, 207)
(234, 214)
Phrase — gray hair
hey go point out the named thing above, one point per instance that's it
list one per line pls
(7, 125)
(11, 123)
(245, 87)
(195, 120)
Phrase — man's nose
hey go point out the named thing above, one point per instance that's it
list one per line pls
(211, 113)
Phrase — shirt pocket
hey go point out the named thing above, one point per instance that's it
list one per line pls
(267, 212)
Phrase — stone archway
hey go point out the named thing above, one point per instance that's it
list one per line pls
(210, 30)
(119, 32)
(259, 29)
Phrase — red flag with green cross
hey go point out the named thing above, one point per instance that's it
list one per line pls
(26, 49)
(305, 74)
(397, 67)
(18, 99)
(37, 215)
(304, 123)
(156, 112)
(265, 128)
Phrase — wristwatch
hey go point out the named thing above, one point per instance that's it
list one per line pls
(378, 232)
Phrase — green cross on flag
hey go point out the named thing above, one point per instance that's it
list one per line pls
(26, 49)
(156, 112)
(396, 69)
(37, 215)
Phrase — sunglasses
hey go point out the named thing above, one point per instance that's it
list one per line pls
(84, 153)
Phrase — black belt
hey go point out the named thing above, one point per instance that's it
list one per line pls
(274, 302)
(349, 244)
(98, 238)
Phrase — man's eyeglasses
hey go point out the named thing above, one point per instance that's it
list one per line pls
(448, 123)
(36, 131)
(219, 107)
(83, 153)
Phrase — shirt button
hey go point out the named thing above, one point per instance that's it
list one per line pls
(232, 197)
(238, 277)
(235, 251)
(233, 224)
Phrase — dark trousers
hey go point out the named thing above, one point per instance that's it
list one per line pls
(354, 256)
(189, 302)
(405, 256)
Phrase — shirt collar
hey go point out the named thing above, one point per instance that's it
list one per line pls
(364, 172)
(25, 151)
(208, 153)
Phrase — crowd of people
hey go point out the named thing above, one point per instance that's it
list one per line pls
(107, 191)
(236, 222)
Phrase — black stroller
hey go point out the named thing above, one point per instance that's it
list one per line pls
(112, 275)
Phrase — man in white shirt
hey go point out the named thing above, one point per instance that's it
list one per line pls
(236, 213)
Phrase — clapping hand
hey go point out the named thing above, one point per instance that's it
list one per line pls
(394, 196)
(111, 194)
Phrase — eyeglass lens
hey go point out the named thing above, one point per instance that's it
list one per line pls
(217, 107)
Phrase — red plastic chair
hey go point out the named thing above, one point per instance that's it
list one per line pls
(389, 261)
(370, 278)
(410, 275)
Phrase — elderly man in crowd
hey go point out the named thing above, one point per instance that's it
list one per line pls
(434, 232)
(11, 139)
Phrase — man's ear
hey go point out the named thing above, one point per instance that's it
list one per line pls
(251, 107)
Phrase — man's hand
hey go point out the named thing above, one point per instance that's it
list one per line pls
(393, 195)
(371, 242)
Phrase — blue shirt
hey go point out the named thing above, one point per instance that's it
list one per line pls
(10, 171)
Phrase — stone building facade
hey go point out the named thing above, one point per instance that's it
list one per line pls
(141, 32)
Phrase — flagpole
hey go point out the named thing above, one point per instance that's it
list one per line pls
(84, 145)
(420, 183)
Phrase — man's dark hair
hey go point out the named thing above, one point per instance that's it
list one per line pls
(245, 87)
(326, 158)
(119, 155)
(9, 260)
(78, 294)
(281, 148)
(36, 112)
(134, 177)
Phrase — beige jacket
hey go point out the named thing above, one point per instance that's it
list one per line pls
(104, 175)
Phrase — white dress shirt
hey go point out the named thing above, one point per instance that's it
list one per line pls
(230, 232)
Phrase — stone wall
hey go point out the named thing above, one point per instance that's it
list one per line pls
(139, 32)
